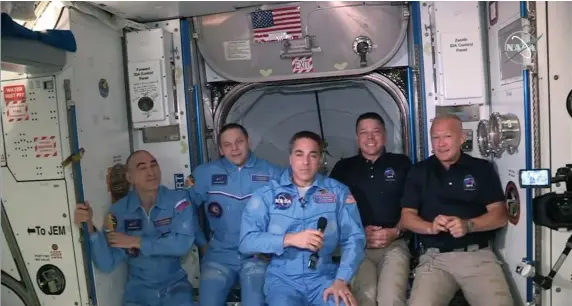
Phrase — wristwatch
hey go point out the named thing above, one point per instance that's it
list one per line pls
(470, 226)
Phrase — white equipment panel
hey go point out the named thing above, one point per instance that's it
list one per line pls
(459, 53)
(149, 55)
(31, 130)
(44, 230)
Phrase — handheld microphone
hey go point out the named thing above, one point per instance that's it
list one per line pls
(313, 262)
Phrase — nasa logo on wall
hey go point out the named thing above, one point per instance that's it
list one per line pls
(512, 202)
(389, 174)
(283, 200)
(469, 183)
(215, 209)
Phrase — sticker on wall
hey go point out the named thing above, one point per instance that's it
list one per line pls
(55, 253)
(103, 88)
(16, 105)
(512, 202)
(341, 66)
(302, 64)
(179, 181)
(265, 72)
(45, 146)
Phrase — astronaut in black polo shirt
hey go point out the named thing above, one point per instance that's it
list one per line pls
(455, 203)
(376, 178)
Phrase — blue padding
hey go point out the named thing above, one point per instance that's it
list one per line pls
(61, 39)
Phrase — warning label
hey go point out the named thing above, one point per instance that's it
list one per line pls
(16, 106)
(45, 146)
(56, 254)
(302, 64)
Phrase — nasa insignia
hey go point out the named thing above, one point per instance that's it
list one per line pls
(219, 179)
(133, 225)
(283, 200)
(215, 209)
(389, 174)
(469, 183)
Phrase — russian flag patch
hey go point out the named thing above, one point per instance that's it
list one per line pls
(181, 205)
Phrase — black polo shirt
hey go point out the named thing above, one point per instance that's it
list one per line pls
(376, 186)
(463, 191)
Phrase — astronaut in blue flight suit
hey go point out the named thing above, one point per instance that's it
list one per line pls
(281, 219)
(223, 187)
(151, 228)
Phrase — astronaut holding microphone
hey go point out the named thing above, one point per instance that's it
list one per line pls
(299, 220)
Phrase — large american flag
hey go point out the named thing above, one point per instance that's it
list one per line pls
(277, 24)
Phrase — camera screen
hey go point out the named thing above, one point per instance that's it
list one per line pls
(538, 178)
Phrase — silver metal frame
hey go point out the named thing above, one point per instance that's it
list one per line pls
(226, 103)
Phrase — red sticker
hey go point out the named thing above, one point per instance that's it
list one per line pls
(45, 146)
(302, 64)
(15, 100)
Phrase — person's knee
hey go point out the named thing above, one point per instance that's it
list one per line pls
(252, 276)
(215, 273)
(216, 281)
(365, 294)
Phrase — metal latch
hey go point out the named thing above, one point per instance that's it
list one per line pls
(300, 48)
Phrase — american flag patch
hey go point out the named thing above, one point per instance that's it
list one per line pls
(182, 205)
(350, 199)
(277, 24)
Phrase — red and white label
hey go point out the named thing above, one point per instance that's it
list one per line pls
(302, 64)
(16, 106)
(45, 146)
(56, 254)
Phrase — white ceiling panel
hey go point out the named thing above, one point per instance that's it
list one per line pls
(145, 11)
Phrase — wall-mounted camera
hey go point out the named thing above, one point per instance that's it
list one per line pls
(552, 210)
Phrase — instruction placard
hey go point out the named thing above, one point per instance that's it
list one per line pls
(238, 50)
(45, 146)
(15, 100)
(462, 65)
(145, 80)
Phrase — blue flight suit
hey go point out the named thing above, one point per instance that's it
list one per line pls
(276, 210)
(156, 277)
(225, 189)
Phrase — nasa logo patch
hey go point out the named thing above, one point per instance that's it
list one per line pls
(389, 174)
(215, 209)
(133, 225)
(219, 179)
(469, 183)
(283, 200)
